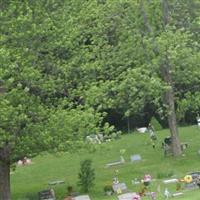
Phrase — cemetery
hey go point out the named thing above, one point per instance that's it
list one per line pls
(100, 100)
(145, 173)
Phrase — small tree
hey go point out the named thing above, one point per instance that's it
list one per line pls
(86, 175)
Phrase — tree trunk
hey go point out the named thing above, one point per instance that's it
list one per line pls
(128, 124)
(171, 114)
(166, 76)
(5, 193)
(169, 95)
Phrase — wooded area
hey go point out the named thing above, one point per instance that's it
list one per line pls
(74, 68)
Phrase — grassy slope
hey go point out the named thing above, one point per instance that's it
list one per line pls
(27, 181)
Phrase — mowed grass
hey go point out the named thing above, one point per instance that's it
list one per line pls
(27, 181)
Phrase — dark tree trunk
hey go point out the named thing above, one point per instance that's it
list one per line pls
(171, 114)
(5, 193)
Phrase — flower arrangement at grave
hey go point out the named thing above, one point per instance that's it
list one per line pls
(188, 178)
(145, 183)
(147, 179)
(115, 178)
(136, 197)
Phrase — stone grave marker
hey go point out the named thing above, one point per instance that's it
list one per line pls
(136, 158)
(121, 161)
(173, 180)
(119, 188)
(126, 196)
(177, 194)
(82, 197)
(56, 182)
(47, 195)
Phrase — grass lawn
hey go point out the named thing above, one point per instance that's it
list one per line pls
(26, 181)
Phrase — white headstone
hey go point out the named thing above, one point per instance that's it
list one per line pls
(177, 194)
(82, 197)
(173, 180)
(142, 129)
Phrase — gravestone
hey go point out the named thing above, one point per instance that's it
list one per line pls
(177, 194)
(82, 197)
(119, 188)
(173, 180)
(56, 182)
(198, 122)
(127, 196)
(47, 195)
(113, 164)
(191, 186)
(135, 158)
(142, 130)
(122, 161)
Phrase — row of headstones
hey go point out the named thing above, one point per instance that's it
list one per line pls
(50, 194)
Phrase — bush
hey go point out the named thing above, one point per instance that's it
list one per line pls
(69, 190)
(86, 175)
(108, 189)
(154, 122)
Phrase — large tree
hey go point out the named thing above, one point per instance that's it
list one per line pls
(68, 62)
(40, 99)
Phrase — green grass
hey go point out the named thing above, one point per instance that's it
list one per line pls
(28, 180)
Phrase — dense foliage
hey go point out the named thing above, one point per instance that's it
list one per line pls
(68, 67)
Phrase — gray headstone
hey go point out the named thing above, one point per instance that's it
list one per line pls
(135, 158)
(127, 196)
(191, 186)
(119, 186)
(47, 195)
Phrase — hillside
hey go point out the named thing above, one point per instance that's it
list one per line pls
(28, 180)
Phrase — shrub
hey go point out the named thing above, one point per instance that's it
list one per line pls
(86, 175)
(69, 190)
(108, 189)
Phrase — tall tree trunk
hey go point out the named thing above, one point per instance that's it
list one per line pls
(169, 95)
(5, 193)
(171, 114)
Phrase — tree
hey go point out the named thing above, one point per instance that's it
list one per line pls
(43, 83)
(33, 76)
(86, 175)
(165, 72)
(71, 62)
(169, 94)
